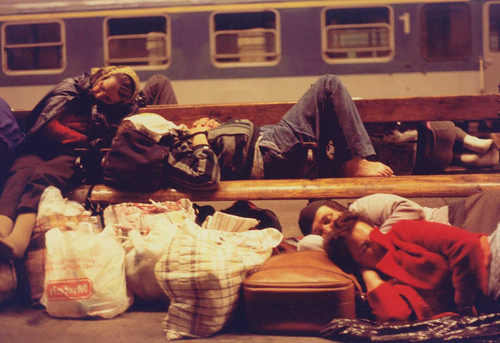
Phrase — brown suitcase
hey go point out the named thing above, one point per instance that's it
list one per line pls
(297, 293)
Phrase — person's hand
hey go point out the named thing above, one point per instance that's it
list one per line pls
(371, 278)
(200, 128)
(203, 125)
(464, 300)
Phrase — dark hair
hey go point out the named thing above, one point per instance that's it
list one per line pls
(307, 214)
(126, 86)
(335, 243)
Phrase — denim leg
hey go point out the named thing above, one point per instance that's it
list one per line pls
(323, 112)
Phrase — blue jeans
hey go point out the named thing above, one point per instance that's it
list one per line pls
(325, 113)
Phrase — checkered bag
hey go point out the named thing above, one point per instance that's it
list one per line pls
(202, 271)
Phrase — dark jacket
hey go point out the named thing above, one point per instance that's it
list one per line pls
(74, 96)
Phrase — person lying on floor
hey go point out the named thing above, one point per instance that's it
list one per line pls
(199, 157)
(477, 213)
(418, 269)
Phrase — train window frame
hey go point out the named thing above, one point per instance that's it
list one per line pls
(214, 57)
(167, 37)
(492, 37)
(425, 34)
(357, 60)
(61, 44)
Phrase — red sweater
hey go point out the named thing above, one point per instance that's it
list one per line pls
(429, 267)
(68, 129)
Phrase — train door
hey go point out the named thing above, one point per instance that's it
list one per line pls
(491, 47)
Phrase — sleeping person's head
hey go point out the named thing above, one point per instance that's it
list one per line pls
(348, 244)
(318, 216)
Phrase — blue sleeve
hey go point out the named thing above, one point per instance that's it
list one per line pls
(10, 132)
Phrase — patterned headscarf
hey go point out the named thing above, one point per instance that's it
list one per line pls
(99, 74)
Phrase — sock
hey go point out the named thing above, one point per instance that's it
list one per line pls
(489, 159)
(477, 144)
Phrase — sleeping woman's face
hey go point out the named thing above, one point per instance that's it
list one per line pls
(365, 252)
(107, 91)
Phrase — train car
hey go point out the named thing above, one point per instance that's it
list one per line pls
(253, 51)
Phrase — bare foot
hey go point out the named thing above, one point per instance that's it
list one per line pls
(358, 167)
(9, 250)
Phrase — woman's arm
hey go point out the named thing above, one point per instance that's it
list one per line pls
(386, 300)
(371, 278)
(57, 132)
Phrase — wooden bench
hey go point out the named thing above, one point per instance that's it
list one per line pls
(456, 108)
(453, 185)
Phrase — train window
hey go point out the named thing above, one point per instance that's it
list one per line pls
(245, 39)
(494, 33)
(357, 35)
(446, 31)
(33, 47)
(137, 41)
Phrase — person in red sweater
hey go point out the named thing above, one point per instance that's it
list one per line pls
(419, 269)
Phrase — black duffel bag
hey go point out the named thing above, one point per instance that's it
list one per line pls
(134, 162)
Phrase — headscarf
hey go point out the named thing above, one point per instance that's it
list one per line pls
(99, 74)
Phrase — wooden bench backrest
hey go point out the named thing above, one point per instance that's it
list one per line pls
(464, 107)
(470, 107)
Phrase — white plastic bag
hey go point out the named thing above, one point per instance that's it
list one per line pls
(142, 255)
(84, 275)
(52, 202)
(148, 229)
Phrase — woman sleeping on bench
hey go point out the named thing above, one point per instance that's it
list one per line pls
(79, 112)
(418, 269)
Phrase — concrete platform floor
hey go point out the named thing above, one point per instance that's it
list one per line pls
(24, 324)
(20, 322)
